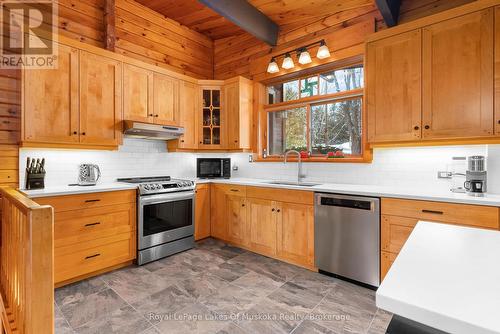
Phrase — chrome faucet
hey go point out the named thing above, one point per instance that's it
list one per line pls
(300, 175)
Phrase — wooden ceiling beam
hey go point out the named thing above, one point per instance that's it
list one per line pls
(389, 10)
(109, 25)
(247, 17)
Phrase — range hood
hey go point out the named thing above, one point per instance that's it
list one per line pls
(152, 131)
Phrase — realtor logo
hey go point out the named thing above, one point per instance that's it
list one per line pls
(29, 34)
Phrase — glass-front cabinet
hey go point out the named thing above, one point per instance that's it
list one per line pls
(212, 118)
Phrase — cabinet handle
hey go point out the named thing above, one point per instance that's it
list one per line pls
(278, 210)
(75, 133)
(243, 205)
(499, 121)
(91, 256)
(12, 112)
(272, 209)
(92, 224)
(150, 115)
(182, 140)
(433, 212)
(235, 141)
(416, 127)
(235, 190)
(427, 127)
(6, 122)
(92, 200)
(200, 142)
(156, 115)
(83, 133)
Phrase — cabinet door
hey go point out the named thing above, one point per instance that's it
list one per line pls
(218, 220)
(188, 109)
(236, 220)
(137, 94)
(393, 88)
(497, 70)
(100, 100)
(296, 233)
(165, 99)
(458, 77)
(202, 212)
(232, 108)
(395, 231)
(51, 101)
(261, 222)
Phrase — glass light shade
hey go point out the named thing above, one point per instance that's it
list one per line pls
(273, 67)
(305, 57)
(323, 51)
(288, 62)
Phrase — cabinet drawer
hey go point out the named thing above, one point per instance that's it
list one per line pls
(83, 225)
(462, 214)
(395, 232)
(83, 258)
(85, 201)
(233, 190)
(281, 195)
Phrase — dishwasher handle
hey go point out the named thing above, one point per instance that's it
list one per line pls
(359, 203)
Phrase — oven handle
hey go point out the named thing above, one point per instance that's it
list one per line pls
(164, 198)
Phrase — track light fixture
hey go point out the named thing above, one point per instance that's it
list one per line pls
(303, 55)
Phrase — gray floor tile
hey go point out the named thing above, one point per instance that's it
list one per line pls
(296, 298)
(380, 322)
(316, 282)
(135, 283)
(230, 300)
(259, 284)
(230, 271)
(270, 317)
(310, 327)
(60, 323)
(228, 252)
(201, 285)
(73, 292)
(232, 328)
(91, 307)
(151, 330)
(124, 320)
(195, 318)
(163, 304)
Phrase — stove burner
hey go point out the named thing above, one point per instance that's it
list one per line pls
(159, 184)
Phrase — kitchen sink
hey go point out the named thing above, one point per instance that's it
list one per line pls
(289, 183)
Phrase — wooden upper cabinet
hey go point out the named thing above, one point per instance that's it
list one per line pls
(50, 112)
(497, 70)
(458, 67)
(165, 99)
(137, 94)
(238, 97)
(393, 88)
(100, 100)
(188, 111)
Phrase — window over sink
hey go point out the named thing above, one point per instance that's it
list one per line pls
(320, 114)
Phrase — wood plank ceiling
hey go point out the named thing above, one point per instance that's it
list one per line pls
(288, 14)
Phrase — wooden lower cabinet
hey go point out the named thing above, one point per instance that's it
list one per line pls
(273, 222)
(236, 220)
(262, 221)
(400, 216)
(93, 233)
(295, 233)
(202, 212)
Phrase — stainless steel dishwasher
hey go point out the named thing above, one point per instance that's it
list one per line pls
(347, 236)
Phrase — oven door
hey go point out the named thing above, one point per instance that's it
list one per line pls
(165, 217)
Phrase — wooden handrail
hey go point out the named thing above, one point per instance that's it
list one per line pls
(26, 265)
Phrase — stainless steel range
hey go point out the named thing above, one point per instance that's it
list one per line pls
(165, 216)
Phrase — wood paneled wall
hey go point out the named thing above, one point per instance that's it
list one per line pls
(141, 34)
(245, 55)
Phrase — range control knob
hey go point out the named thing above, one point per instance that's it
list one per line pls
(146, 186)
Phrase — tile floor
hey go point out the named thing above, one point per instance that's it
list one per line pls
(216, 288)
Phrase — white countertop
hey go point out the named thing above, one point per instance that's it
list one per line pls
(446, 277)
(373, 191)
(71, 190)
(351, 189)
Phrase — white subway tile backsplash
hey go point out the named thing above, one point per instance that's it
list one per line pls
(411, 167)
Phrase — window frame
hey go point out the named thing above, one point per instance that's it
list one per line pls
(308, 102)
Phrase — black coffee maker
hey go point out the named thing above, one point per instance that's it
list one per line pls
(476, 175)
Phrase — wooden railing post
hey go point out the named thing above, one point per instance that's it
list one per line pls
(26, 265)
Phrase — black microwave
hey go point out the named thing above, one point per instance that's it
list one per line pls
(210, 168)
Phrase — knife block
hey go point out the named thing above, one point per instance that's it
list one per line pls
(35, 181)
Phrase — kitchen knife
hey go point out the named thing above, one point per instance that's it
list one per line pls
(42, 166)
(28, 165)
(37, 166)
